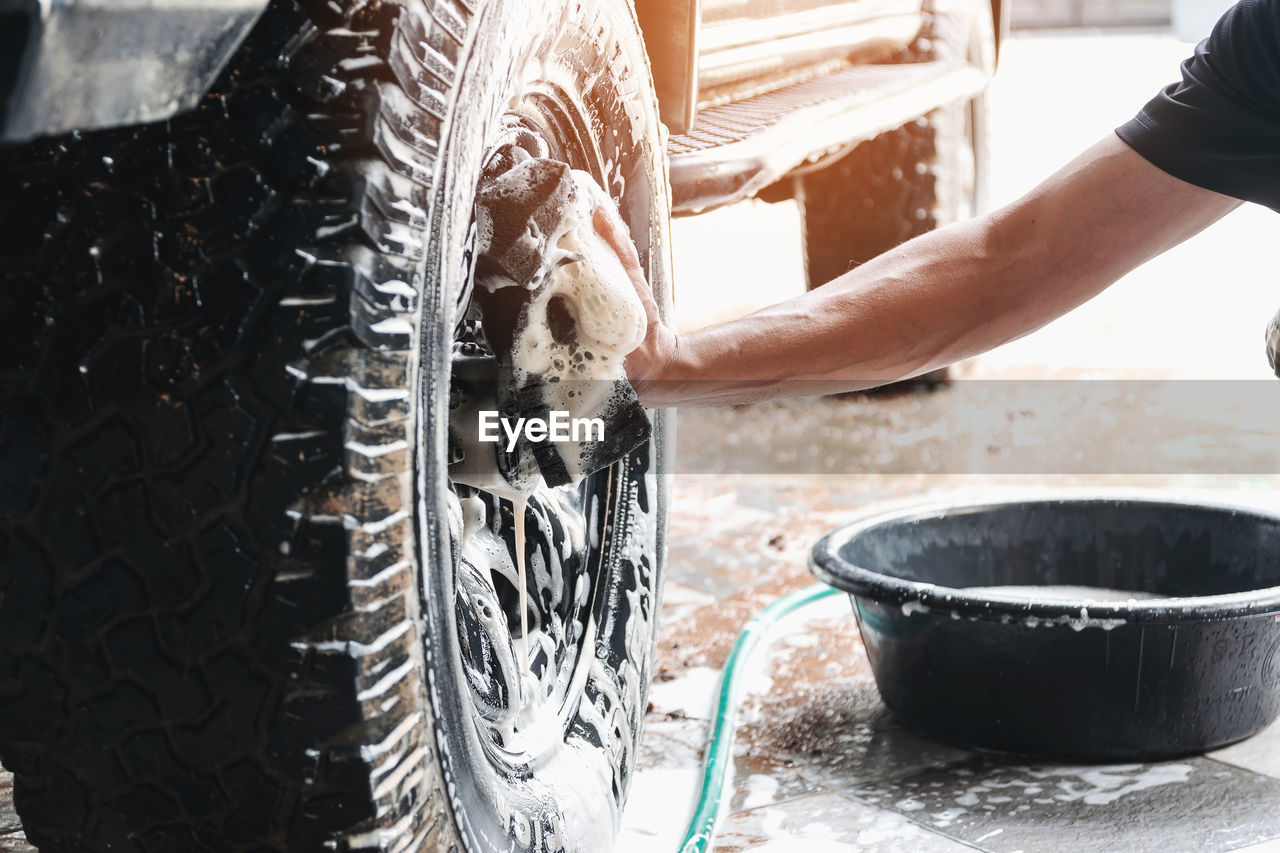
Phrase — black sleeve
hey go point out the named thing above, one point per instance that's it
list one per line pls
(1220, 127)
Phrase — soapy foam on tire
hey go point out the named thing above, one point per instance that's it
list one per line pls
(583, 270)
(518, 507)
(584, 273)
(570, 336)
(572, 273)
(586, 276)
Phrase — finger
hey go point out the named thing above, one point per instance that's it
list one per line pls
(608, 227)
(620, 241)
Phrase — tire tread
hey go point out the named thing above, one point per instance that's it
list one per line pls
(209, 613)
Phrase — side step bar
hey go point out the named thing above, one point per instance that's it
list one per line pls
(738, 149)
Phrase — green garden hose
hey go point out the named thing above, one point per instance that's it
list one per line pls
(718, 762)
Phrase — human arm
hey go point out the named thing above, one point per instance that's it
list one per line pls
(944, 296)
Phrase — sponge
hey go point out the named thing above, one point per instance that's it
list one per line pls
(561, 313)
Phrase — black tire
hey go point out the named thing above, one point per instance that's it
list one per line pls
(880, 194)
(907, 181)
(228, 543)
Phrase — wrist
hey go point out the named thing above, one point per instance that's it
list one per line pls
(653, 369)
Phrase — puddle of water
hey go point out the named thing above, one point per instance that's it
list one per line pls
(658, 809)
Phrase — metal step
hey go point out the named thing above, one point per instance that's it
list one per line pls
(738, 149)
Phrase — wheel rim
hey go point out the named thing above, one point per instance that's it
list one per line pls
(566, 530)
(527, 54)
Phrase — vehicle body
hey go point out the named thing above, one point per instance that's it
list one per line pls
(245, 603)
(90, 65)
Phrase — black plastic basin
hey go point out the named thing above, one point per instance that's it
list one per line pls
(1069, 678)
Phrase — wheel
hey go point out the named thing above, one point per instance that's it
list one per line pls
(242, 606)
(908, 181)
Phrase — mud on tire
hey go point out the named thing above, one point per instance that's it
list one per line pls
(225, 544)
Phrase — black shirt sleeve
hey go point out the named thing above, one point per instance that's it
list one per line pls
(1220, 127)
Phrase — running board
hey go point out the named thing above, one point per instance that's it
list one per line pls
(735, 150)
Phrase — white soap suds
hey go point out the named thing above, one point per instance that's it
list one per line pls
(578, 374)
(1064, 593)
(582, 278)
(586, 279)
(913, 606)
(585, 272)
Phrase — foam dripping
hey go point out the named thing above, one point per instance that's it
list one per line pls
(562, 315)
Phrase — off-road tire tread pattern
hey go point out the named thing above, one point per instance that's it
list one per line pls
(877, 196)
(209, 614)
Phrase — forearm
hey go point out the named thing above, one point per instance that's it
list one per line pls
(897, 315)
(950, 294)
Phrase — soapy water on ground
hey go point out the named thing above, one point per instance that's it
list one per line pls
(1021, 427)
